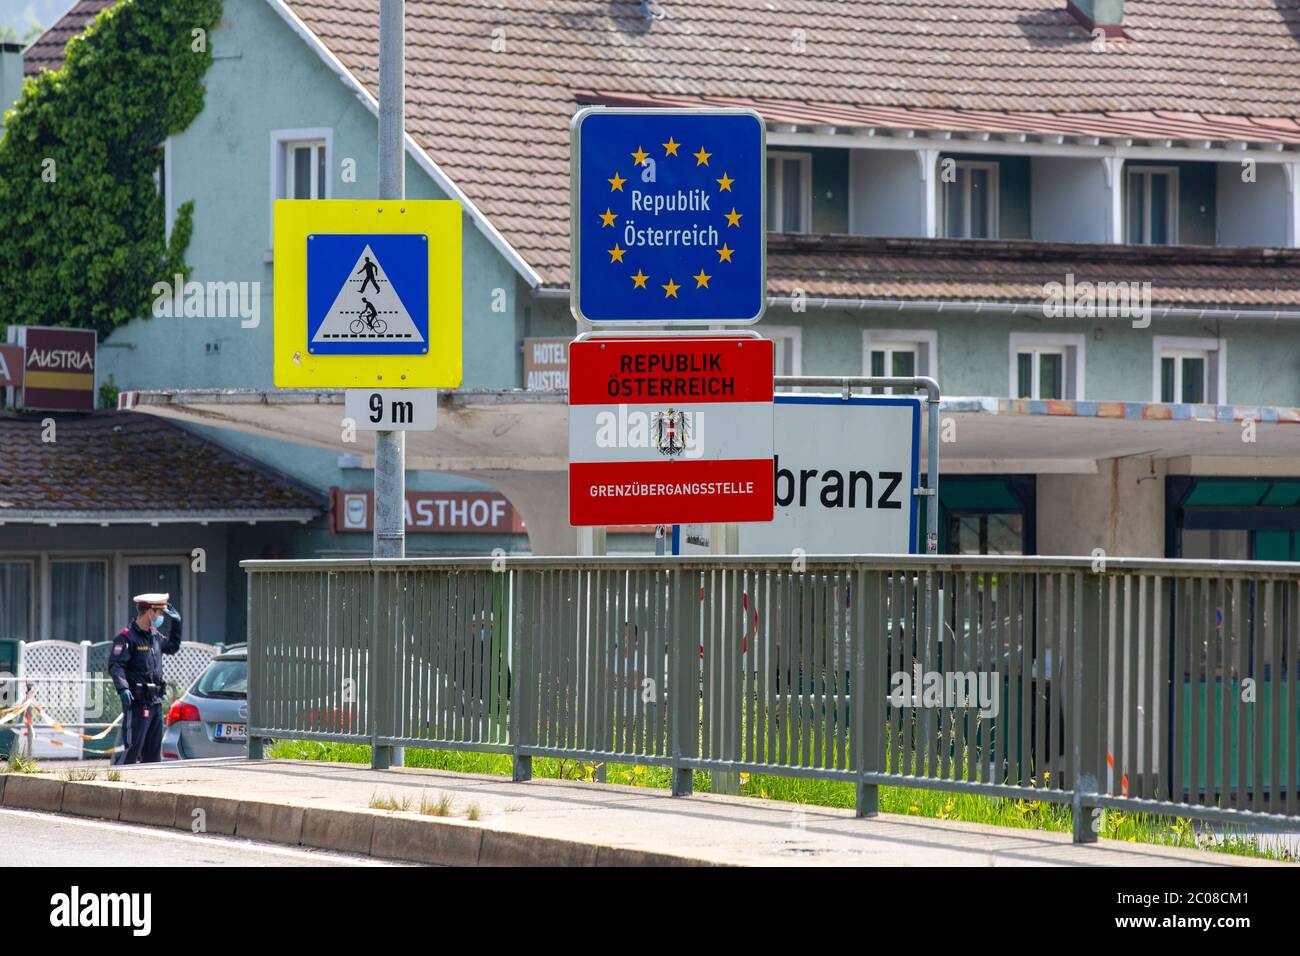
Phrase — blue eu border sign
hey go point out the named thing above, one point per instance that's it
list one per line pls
(669, 216)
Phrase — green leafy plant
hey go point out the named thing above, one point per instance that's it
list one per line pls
(80, 210)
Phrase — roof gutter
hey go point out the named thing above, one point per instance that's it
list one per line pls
(1002, 309)
(422, 159)
(54, 518)
(1011, 309)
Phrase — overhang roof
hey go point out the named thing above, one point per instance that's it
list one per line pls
(516, 440)
(114, 467)
(1163, 127)
(1224, 278)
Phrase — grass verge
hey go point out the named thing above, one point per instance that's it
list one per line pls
(929, 804)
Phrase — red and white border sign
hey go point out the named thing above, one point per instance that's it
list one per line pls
(670, 430)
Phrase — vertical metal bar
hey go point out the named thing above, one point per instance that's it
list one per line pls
(1291, 683)
(865, 692)
(1178, 724)
(1043, 650)
(850, 592)
(1273, 696)
(1195, 732)
(682, 727)
(390, 447)
(814, 685)
(1125, 635)
(1158, 716)
(913, 665)
(932, 465)
(1089, 728)
(1219, 686)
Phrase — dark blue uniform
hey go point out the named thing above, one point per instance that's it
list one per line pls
(136, 665)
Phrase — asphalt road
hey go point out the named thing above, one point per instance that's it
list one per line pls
(46, 839)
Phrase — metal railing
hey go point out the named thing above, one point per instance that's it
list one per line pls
(1166, 687)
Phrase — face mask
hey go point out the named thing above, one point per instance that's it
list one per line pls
(158, 621)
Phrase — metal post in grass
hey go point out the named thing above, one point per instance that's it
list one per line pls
(256, 668)
(1089, 649)
(390, 446)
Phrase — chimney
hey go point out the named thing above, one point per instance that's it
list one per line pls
(1104, 15)
(11, 76)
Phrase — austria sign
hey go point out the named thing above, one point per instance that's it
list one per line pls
(59, 368)
(670, 430)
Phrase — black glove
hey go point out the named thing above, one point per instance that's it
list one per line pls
(127, 699)
(174, 632)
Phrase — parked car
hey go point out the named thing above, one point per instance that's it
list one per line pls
(211, 718)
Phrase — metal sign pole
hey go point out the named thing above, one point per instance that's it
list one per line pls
(390, 447)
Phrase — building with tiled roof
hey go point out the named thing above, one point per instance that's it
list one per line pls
(116, 468)
(936, 173)
(97, 507)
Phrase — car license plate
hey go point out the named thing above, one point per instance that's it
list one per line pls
(231, 732)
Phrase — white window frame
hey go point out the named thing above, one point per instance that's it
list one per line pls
(281, 141)
(781, 334)
(995, 172)
(1171, 218)
(1038, 343)
(776, 186)
(1215, 353)
(923, 342)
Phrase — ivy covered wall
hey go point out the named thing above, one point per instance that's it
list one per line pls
(82, 222)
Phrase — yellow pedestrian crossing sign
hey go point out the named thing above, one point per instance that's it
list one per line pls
(367, 293)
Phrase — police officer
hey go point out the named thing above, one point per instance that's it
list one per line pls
(136, 668)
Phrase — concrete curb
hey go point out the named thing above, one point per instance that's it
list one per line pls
(440, 842)
(271, 822)
(85, 799)
(200, 814)
(27, 791)
(340, 830)
(405, 837)
(155, 808)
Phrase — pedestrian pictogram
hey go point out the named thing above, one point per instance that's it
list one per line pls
(370, 306)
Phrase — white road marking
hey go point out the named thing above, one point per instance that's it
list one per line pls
(183, 837)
